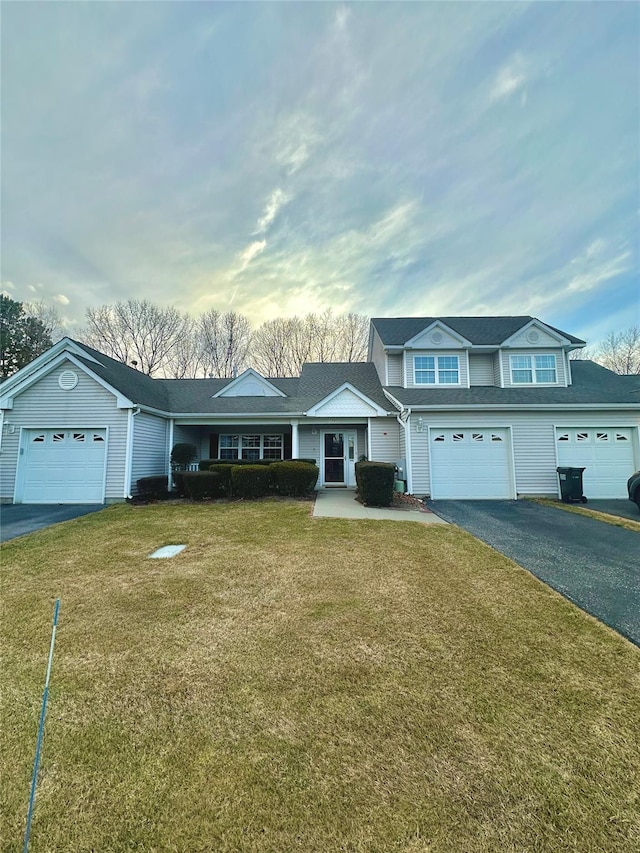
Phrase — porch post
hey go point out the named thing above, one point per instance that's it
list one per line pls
(295, 442)
(169, 449)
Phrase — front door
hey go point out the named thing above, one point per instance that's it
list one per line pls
(339, 450)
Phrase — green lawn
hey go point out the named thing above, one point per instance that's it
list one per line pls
(289, 684)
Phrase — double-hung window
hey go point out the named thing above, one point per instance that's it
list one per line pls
(533, 369)
(251, 447)
(436, 370)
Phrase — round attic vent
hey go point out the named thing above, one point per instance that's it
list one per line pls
(68, 380)
(437, 337)
(533, 337)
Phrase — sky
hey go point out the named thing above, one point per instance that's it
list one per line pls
(390, 159)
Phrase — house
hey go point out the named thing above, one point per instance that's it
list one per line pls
(468, 407)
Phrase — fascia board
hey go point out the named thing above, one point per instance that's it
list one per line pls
(248, 372)
(346, 386)
(562, 341)
(603, 407)
(231, 417)
(393, 400)
(63, 345)
(438, 324)
(6, 402)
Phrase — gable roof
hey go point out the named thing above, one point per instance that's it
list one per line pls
(316, 381)
(481, 331)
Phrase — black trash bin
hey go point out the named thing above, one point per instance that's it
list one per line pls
(571, 484)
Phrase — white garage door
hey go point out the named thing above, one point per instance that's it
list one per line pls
(62, 466)
(606, 454)
(470, 463)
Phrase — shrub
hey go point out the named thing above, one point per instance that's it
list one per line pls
(182, 454)
(205, 464)
(375, 482)
(178, 483)
(223, 469)
(294, 478)
(204, 484)
(250, 481)
(153, 488)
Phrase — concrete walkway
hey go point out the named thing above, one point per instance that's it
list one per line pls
(342, 503)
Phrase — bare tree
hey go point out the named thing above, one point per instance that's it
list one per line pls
(225, 340)
(136, 332)
(47, 315)
(186, 358)
(620, 351)
(280, 347)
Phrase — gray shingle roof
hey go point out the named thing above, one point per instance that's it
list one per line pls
(591, 384)
(191, 396)
(482, 331)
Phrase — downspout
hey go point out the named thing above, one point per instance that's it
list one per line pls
(406, 425)
(128, 466)
(169, 449)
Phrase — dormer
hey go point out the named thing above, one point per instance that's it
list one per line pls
(250, 384)
(535, 356)
(437, 336)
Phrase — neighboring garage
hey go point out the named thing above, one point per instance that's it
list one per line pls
(471, 463)
(605, 453)
(62, 466)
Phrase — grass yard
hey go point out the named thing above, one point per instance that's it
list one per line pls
(289, 684)
(581, 509)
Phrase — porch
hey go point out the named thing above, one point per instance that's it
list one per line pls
(334, 447)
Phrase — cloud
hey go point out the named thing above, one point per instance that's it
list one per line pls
(276, 201)
(252, 251)
(61, 298)
(509, 80)
(8, 285)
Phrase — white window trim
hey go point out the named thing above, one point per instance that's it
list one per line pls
(436, 370)
(533, 368)
(239, 447)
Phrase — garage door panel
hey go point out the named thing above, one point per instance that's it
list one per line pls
(63, 466)
(470, 463)
(606, 454)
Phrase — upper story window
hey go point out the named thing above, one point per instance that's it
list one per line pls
(436, 370)
(533, 369)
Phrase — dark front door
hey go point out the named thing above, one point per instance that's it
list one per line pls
(334, 458)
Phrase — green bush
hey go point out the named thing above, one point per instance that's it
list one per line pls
(223, 469)
(182, 454)
(204, 484)
(178, 483)
(294, 478)
(205, 464)
(250, 481)
(153, 488)
(375, 482)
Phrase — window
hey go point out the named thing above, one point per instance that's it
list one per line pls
(98, 437)
(38, 438)
(251, 447)
(477, 436)
(58, 436)
(621, 437)
(602, 436)
(533, 369)
(436, 370)
(229, 446)
(563, 436)
(582, 436)
(78, 436)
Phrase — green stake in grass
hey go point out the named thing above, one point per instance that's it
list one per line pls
(43, 711)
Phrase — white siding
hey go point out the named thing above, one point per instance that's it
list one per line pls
(149, 447)
(497, 361)
(534, 336)
(193, 435)
(87, 405)
(533, 438)
(481, 369)
(385, 440)
(506, 364)
(409, 375)
(419, 456)
(346, 404)
(378, 356)
(394, 369)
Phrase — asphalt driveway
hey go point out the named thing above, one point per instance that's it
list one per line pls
(594, 564)
(621, 508)
(18, 519)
